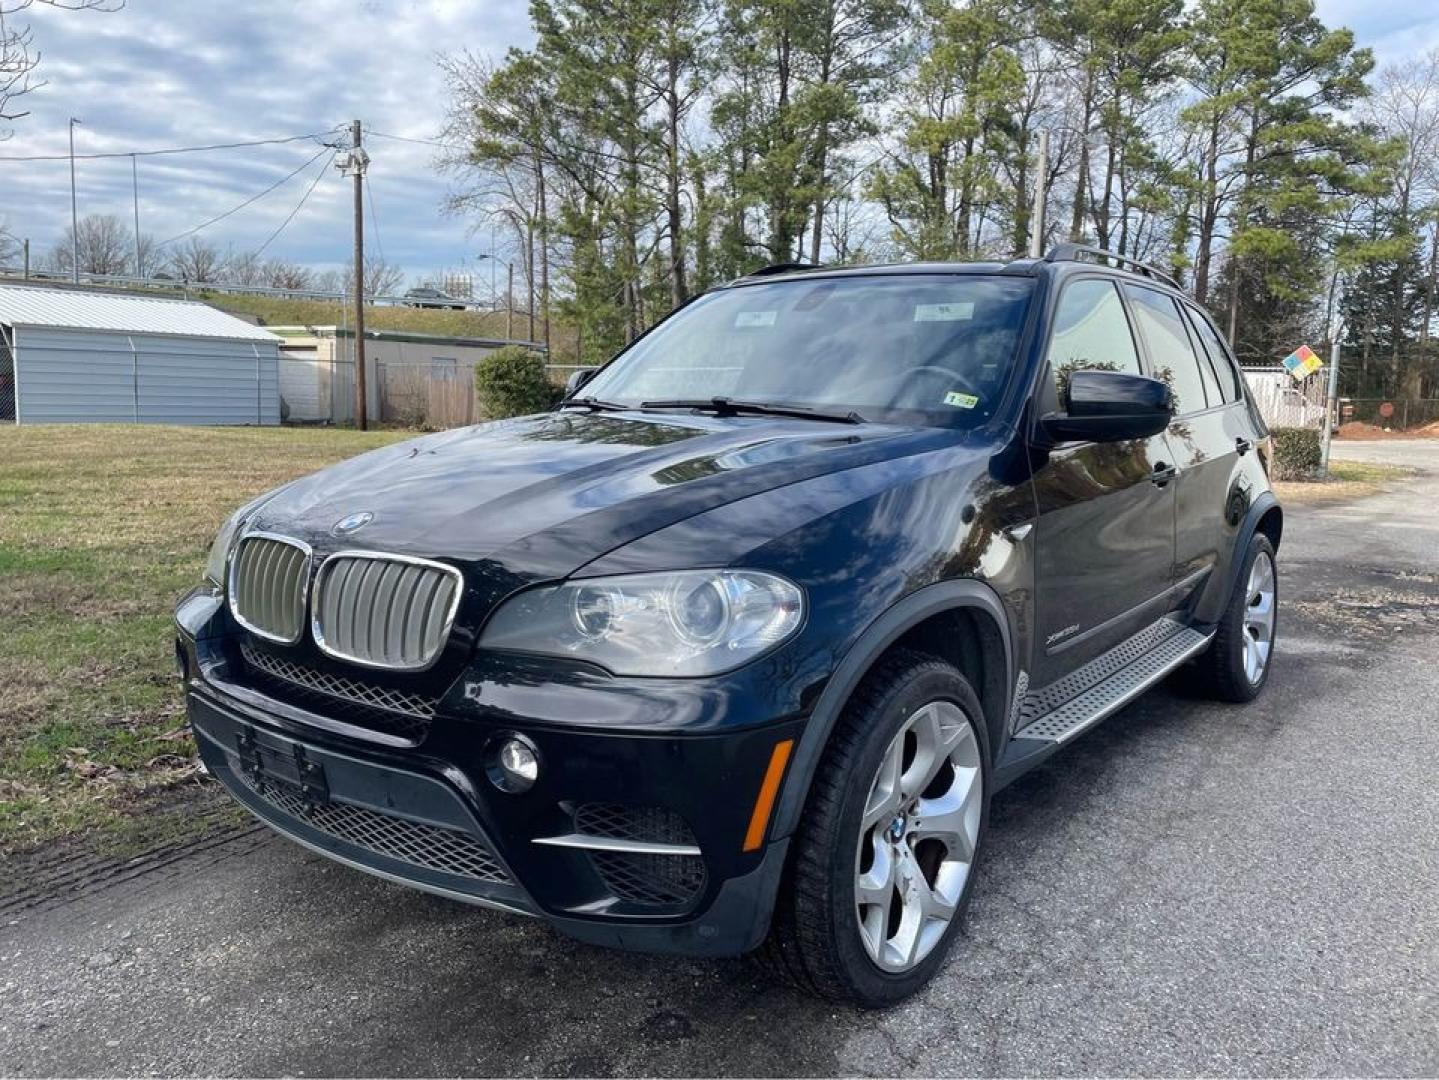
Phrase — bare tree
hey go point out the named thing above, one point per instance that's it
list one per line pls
(331, 281)
(9, 246)
(381, 278)
(280, 274)
(244, 268)
(18, 55)
(103, 243)
(196, 260)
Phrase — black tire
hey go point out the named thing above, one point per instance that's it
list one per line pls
(815, 936)
(1219, 672)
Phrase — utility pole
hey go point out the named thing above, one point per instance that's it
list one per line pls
(1036, 214)
(74, 217)
(27, 258)
(354, 162)
(510, 301)
(135, 195)
(1331, 401)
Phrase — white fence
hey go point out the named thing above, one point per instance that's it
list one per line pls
(1284, 402)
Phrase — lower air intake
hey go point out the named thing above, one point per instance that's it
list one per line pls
(448, 851)
(660, 880)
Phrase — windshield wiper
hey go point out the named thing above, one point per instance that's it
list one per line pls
(595, 404)
(723, 406)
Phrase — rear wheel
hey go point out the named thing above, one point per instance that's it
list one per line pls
(883, 860)
(1236, 665)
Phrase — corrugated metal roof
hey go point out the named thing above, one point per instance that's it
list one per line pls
(23, 305)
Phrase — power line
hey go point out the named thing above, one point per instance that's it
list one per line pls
(303, 199)
(247, 202)
(171, 149)
(406, 138)
(374, 218)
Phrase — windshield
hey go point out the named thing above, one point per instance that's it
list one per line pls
(909, 348)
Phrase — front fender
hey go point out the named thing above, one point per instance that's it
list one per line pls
(868, 647)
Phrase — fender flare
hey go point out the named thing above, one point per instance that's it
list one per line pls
(1265, 502)
(877, 637)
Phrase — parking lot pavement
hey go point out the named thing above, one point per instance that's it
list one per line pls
(1190, 888)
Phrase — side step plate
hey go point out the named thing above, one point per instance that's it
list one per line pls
(1060, 722)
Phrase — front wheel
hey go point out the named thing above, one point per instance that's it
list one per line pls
(1236, 665)
(883, 860)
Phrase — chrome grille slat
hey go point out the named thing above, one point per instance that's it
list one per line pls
(268, 585)
(384, 611)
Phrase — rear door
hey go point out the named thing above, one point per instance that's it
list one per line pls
(1203, 436)
(1104, 535)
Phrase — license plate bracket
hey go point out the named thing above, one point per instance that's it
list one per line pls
(285, 769)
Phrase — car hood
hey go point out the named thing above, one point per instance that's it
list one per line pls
(543, 495)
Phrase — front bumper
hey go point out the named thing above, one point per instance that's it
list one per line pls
(427, 815)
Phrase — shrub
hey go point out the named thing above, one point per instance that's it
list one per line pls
(1297, 453)
(512, 382)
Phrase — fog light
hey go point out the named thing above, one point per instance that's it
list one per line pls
(514, 765)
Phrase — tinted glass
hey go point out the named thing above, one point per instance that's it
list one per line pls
(1091, 333)
(1170, 353)
(1224, 368)
(924, 348)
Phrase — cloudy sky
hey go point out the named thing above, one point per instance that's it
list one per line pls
(163, 73)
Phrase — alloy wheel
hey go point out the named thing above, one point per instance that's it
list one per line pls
(1259, 618)
(918, 836)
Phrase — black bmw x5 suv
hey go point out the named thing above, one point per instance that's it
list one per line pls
(735, 646)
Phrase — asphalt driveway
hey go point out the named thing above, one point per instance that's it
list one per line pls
(1190, 888)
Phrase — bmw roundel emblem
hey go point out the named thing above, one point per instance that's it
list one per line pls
(351, 523)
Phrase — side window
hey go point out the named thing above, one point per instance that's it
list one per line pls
(1170, 353)
(1091, 333)
(1224, 368)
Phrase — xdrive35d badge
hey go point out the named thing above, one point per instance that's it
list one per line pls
(732, 649)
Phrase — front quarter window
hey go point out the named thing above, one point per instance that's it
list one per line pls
(919, 348)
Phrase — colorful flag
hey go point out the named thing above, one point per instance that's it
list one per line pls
(1302, 363)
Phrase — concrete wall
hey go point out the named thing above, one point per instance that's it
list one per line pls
(86, 376)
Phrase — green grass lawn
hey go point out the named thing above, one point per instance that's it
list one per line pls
(101, 529)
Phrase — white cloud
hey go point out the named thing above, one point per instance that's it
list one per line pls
(183, 72)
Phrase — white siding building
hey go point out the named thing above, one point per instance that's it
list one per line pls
(73, 356)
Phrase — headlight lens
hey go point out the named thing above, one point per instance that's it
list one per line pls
(687, 623)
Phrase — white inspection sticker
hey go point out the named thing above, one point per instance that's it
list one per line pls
(943, 312)
(960, 401)
(755, 318)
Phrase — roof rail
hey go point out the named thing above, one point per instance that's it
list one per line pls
(782, 268)
(1072, 253)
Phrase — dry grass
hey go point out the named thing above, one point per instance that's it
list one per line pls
(101, 528)
(1347, 480)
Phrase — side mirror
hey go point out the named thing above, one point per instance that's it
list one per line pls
(577, 379)
(1110, 406)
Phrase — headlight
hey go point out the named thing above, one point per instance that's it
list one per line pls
(691, 622)
(220, 549)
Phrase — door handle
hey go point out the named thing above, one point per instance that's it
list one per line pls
(1243, 446)
(1162, 474)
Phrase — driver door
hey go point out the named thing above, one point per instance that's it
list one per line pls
(1104, 530)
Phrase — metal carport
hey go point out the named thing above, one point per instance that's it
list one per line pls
(74, 356)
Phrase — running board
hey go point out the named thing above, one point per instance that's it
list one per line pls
(1107, 683)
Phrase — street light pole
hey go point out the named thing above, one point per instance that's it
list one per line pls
(74, 217)
(135, 195)
(1331, 401)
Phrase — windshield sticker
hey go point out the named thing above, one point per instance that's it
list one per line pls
(963, 401)
(943, 312)
(755, 318)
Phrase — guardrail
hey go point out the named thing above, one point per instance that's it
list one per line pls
(64, 277)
